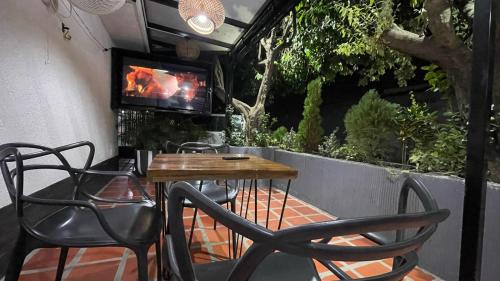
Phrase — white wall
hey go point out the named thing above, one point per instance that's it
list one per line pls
(53, 91)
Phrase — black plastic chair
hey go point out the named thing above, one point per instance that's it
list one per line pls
(221, 195)
(134, 224)
(218, 194)
(288, 254)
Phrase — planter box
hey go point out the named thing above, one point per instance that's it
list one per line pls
(351, 189)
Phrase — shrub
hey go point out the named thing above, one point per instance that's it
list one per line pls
(262, 134)
(234, 132)
(371, 128)
(446, 154)
(278, 135)
(310, 131)
(417, 127)
(330, 146)
(289, 141)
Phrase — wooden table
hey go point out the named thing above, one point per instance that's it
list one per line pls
(202, 166)
(175, 167)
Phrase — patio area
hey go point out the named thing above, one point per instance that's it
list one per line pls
(209, 245)
(249, 140)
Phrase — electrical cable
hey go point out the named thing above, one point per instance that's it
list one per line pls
(80, 21)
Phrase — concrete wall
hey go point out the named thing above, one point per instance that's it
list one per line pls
(350, 189)
(53, 91)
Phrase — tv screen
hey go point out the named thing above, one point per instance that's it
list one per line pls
(165, 85)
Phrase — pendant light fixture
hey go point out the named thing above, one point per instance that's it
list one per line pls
(204, 16)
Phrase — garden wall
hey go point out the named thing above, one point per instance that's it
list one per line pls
(351, 189)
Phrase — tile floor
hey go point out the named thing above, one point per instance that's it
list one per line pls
(119, 264)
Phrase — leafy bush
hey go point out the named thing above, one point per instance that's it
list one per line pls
(289, 141)
(371, 128)
(446, 154)
(330, 146)
(278, 135)
(234, 132)
(156, 129)
(310, 130)
(437, 78)
(262, 134)
(417, 126)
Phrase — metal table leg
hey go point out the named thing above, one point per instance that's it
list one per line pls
(284, 204)
(255, 207)
(269, 202)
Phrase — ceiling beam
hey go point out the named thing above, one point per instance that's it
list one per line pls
(162, 44)
(230, 21)
(162, 28)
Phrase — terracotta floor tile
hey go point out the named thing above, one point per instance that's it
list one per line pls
(45, 258)
(130, 272)
(319, 218)
(298, 221)
(101, 271)
(40, 276)
(372, 269)
(305, 210)
(101, 253)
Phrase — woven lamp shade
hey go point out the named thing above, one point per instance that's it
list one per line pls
(204, 16)
(99, 7)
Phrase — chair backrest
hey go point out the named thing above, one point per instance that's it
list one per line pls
(301, 240)
(197, 147)
(14, 176)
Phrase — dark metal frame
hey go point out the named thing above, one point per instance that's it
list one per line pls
(299, 240)
(269, 15)
(30, 237)
(476, 167)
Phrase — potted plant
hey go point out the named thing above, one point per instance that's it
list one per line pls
(150, 139)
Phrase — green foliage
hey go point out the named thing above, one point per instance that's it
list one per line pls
(310, 130)
(278, 135)
(371, 128)
(262, 133)
(330, 146)
(234, 132)
(289, 141)
(437, 78)
(342, 38)
(417, 126)
(157, 128)
(446, 154)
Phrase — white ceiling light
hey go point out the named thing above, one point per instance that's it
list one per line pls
(187, 49)
(204, 16)
(98, 7)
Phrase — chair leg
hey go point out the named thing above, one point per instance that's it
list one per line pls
(159, 264)
(62, 261)
(19, 253)
(192, 228)
(142, 263)
(235, 246)
(215, 224)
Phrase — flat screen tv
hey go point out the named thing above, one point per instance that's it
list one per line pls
(142, 81)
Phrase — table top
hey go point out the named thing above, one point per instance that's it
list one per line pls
(197, 166)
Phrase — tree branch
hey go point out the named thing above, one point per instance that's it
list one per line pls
(241, 106)
(410, 43)
(441, 23)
